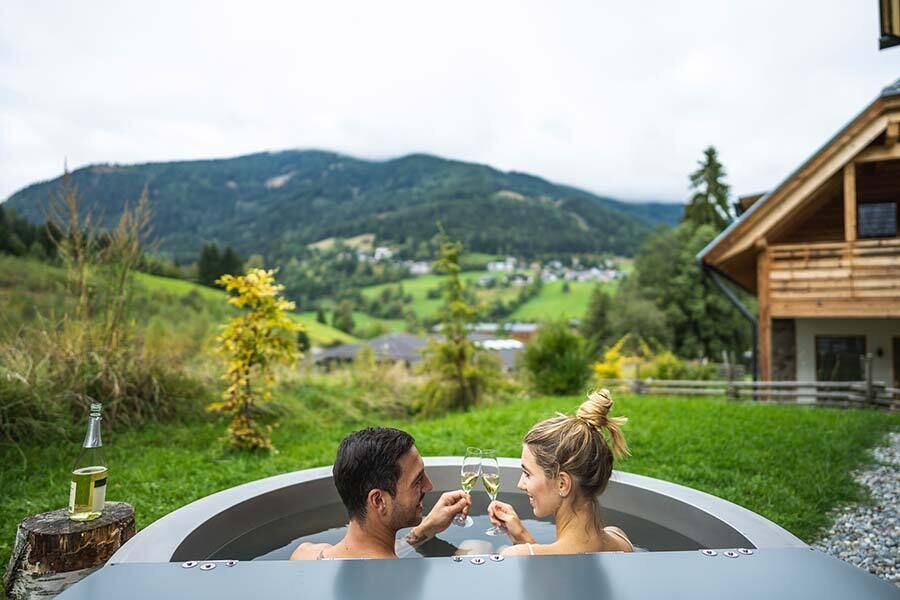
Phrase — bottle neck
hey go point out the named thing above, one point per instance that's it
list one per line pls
(92, 437)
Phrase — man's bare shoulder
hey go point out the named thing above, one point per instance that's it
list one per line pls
(309, 551)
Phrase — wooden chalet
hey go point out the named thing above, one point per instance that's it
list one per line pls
(821, 253)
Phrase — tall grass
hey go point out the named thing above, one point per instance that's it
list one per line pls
(83, 346)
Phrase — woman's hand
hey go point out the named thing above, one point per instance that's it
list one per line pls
(504, 515)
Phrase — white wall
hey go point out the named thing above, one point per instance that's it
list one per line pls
(879, 334)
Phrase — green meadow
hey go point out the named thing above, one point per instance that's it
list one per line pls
(790, 464)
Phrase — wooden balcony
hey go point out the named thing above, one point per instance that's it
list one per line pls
(859, 278)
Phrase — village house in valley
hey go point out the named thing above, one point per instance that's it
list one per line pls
(821, 253)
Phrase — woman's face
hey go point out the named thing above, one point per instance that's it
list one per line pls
(542, 491)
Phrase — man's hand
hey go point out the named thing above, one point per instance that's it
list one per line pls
(448, 506)
(504, 515)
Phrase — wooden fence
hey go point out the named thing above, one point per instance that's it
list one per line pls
(844, 394)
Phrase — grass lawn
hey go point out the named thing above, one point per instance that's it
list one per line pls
(361, 321)
(179, 287)
(418, 288)
(319, 334)
(790, 464)
(552, 302)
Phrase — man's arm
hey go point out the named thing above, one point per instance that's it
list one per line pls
(448, 506)
(416, 537)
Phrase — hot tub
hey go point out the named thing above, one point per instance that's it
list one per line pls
(265, 519)
(699, 546)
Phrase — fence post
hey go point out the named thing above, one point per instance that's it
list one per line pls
(732, 375)
(870, 389)
(636, 385)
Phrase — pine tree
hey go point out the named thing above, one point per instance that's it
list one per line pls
(458, 372)
(709, 204)
(209, 265)
(596, 326)
(231, 263)
(343, 317)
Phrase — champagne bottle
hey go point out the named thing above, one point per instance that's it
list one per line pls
(87, 493)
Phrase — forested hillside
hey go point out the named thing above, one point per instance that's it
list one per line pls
(276, 203)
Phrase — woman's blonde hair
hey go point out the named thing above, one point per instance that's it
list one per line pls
(577, 445)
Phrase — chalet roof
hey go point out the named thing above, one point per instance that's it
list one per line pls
(891, 90)
(392, 346)
(741, 227)
(406, 347)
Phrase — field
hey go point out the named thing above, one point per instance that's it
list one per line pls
(319, 334)
(551, 302)
(362, 324)
(791, 464)
(29, 289)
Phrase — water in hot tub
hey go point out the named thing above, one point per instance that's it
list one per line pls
(277, 539)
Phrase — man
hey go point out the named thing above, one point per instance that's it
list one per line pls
(382, 481)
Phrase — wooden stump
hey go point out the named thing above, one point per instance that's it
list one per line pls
(51, 552)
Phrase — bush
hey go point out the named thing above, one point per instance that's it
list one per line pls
(701, 370)
(557, 360)
(666, 365)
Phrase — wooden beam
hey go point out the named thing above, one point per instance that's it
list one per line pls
(892, 134)
(811, 176)
(850, 202)
(867, 308)
(879, 153)
(764, 321)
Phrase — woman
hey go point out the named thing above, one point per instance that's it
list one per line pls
(566, 464)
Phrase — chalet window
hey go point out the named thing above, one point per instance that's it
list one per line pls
(840, 358)
(877, 219)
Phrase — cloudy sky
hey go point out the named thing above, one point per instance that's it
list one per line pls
(616, 97)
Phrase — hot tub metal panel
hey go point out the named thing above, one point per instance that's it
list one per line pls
(773, 574)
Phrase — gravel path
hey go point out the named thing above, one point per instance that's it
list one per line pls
(868, 536)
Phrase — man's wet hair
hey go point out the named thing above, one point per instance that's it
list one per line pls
(368, 459)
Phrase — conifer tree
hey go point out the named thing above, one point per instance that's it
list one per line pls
(231, 263)
(596, 327)
(209, 265)
(458, 372)
(343, 317)
(709, 204)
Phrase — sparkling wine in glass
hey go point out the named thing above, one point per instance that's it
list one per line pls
(468, 475)
(490, 478)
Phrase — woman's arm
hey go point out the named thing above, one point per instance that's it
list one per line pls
(503, 514)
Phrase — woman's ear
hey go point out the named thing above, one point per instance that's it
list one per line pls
(564, 484)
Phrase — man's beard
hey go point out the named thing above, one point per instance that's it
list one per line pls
(407, 516)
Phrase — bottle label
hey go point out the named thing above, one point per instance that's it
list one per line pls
(88, 490)
(99, 499)
(72, 489)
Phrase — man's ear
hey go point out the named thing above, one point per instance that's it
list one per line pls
(377, 501)
(564, 484)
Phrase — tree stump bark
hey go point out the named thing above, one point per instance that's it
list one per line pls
(51, 552)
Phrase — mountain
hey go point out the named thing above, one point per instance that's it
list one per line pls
(275, 203)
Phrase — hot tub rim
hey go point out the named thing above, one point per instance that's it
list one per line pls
(158, 541)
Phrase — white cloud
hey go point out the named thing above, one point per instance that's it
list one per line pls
(618, 98)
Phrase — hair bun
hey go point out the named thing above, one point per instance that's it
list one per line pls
(595, 412)
(595, 409)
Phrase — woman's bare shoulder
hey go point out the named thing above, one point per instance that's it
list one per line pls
(309, 551)
(517, 550)
(619, 539)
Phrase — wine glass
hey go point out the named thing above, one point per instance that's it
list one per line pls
(468, 475)
(490, 478)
